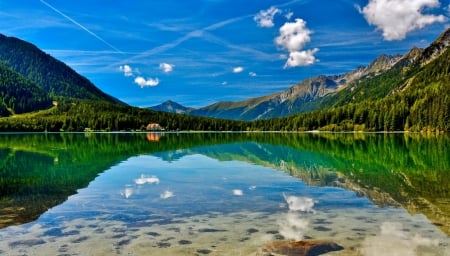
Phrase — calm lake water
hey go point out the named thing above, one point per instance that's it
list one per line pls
(223, 193)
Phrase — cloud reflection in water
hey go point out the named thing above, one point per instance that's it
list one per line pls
(127, 192)
(299, 204)
(146, 180)
(393, 239)
(293, 225)
(238, 192)
(167, 194)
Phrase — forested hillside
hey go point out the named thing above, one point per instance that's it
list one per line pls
(20, 95)
(52, 75)
(80, 115)
(423, 103)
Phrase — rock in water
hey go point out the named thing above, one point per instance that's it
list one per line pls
(299, 248)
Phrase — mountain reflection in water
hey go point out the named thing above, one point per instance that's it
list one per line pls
(40, 171)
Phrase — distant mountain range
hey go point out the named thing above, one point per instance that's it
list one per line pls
(384, 76)
(172, 107)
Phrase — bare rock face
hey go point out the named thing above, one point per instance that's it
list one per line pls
(299, 248)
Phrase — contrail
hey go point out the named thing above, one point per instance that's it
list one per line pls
(180, 40)
(81, 26)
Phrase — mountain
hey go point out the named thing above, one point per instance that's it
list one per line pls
(51, 75)
(385, 76)
(293, 100)
(20, 95)
(171, 107)
(297, 99)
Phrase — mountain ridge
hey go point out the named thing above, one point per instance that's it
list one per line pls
(384, 76)
(284, 103)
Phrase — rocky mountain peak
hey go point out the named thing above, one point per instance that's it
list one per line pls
(382, 63)
(172, 107)
(436, 48)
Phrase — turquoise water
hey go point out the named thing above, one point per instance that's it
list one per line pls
(222, 194)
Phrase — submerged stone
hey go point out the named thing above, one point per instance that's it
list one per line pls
(27, 243)
(184, 242)
(299, 248)
(252, 230)
(211, 230)
(322, 228)
(204, 251)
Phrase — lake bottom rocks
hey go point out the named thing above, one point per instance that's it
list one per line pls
(298, 248)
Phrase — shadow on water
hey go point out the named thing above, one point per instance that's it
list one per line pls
(40, 171)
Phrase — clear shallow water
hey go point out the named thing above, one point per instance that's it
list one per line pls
(220, 199)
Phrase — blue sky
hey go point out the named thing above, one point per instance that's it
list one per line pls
(203, 51)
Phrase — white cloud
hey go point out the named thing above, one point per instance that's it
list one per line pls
(127, 70)
(396, 18)
(166, 67)
(142, 82)
(265, 17)
(293, 37)
(448, 10)
(289, 15)
(238, 69)
(301, 58)
(252, 74)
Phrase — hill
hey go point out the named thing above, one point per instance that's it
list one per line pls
(53, 76)
(20, 95)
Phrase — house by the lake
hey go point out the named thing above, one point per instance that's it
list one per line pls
(154, 127)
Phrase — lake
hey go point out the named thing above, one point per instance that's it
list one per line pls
(224, 194)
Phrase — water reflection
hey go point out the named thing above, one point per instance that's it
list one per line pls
(154, 137)
(144, 179)
(127, 192)
(200, 185)
(167, 194)
(394, 239)
(294, 225)
(238, 192)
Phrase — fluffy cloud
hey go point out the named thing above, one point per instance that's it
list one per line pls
(166, 67)
(142, 82)
(127, 70)
(301, 58)
(265, 17)
(293, 37)
(252, 74)
(396, 18)
(238, 69)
